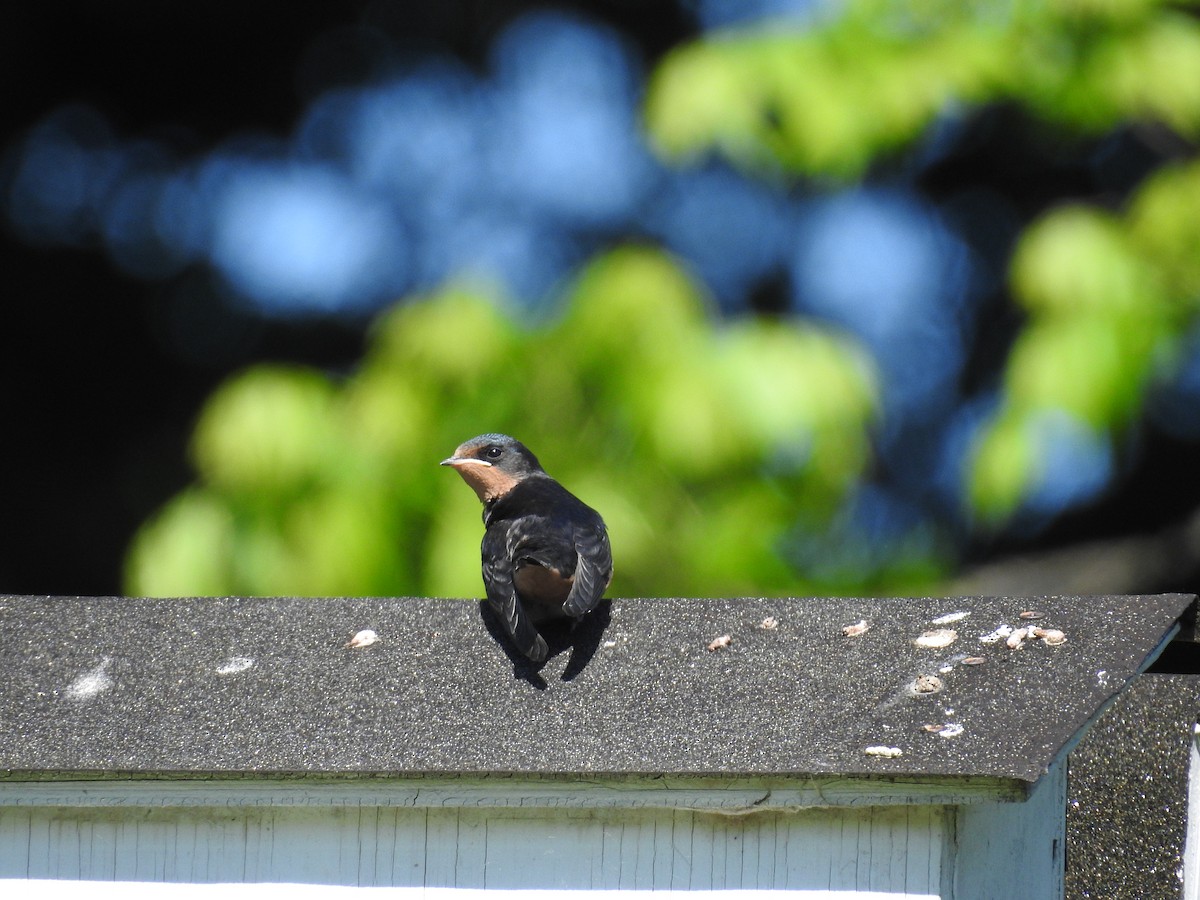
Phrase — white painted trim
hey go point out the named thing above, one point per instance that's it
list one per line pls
(144, 890)
(1191, 843)
(1012, 850)
(732, 796)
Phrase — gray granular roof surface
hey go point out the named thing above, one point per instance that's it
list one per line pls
(1138, 751)
(268, 685)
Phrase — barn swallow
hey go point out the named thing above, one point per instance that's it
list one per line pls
(546, 554)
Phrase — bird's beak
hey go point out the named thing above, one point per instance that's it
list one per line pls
(457, 461)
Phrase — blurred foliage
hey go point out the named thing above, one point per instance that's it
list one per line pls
(713, 447)
(1110, 298)
(1110, 301)
(701, 443)
(829, 100)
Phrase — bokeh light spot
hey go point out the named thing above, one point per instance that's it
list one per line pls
(302, 236)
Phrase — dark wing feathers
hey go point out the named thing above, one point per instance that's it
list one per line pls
(593, 570)
(581, 552)
(539, 522)
(502, 595)
(530, 537)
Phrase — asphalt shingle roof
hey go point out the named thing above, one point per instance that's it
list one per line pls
(268, 685)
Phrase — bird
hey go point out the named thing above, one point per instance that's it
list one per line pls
(545, 553)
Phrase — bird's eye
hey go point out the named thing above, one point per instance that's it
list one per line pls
(493, 452)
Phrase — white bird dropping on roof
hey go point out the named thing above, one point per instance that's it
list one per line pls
(235, 664)
(996, 636)
(91, 683)
(950, 618)
(886, 752)
(1016, 640)
(364, 638)
(1051, 637)
(933, 640)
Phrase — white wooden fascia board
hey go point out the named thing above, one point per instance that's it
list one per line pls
(732, 796)
(149, 890)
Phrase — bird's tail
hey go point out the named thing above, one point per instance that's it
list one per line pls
(524, 635)
(528, 641)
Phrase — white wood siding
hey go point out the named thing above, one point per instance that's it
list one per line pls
(891, 851)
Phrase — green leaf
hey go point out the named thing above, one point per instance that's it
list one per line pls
(266, 431)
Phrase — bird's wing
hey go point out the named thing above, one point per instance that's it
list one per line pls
(593, 570)
(502, 595)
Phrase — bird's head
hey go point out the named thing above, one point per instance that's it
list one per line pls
(493, 464)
